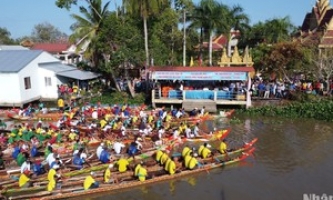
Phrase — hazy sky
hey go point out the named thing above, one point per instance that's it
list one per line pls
(20, 16)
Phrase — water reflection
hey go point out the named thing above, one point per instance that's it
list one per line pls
(172, 187)
(192, 181)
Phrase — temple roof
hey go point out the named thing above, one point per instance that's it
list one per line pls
(327, 39)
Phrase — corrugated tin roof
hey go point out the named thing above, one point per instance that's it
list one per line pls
(12, 47)
(68, 71)
(14, 61)
(78, 74)
(56, 66)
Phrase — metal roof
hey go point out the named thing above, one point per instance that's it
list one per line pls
(14, 61)
(78, 74)
(12, 47)
(56, 66)
(68, 71)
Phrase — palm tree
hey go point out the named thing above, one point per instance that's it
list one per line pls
(144, 9)
(211, 16)
(271, 31)
(88, 26)
(279, 29)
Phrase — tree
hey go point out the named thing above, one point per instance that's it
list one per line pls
(87, 29)
(5, 37)
(323, 64)
(270, 31)
(211, 16)
(144, 9)
(46, 32)
(66, 3)
(185, 6)
(122, 41)
(284, 58)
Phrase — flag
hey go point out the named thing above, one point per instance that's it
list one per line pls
(191, 62)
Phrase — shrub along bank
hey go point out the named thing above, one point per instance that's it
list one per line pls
(312, 108)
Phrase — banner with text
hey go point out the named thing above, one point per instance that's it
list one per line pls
(176, 75)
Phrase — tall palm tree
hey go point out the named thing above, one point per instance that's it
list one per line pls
(211, 16)
(279, 29)
(144, 9)
(88, 26)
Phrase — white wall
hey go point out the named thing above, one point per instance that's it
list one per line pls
(9, 87)
(38, 88)
(48, 91)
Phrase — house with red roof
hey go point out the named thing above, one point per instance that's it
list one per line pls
(62, 50)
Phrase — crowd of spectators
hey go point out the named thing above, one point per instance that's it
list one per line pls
(282, 89)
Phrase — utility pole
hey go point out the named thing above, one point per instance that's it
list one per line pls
(184, 37)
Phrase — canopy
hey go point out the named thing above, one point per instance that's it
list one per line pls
(78, 74)
(68, 71)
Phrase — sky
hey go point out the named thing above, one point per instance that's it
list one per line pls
(20, 16)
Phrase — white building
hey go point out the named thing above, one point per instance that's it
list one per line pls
(29, 75)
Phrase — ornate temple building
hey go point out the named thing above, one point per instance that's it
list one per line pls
(318, 24)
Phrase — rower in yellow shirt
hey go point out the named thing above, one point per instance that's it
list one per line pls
(187, 159)
(158, 155)
(135, 119)
(168, 117)
(107, 175)
(164, 158)
(107, 116)
(53, 176)
(142, 173)
(206, 152)
(89, 182)
(103, 122)
(187, 151)
(24, 180)
(193, 162)
(61, 104)
(223, 147)
(171, 166)
(122, 164)
(150, 119)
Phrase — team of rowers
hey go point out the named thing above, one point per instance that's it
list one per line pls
(27, 143)
(171, 165)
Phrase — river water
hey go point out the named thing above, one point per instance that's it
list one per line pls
(293, 158)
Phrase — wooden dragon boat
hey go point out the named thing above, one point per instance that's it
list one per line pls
(76, 190)
(220, 160)
(35, 117)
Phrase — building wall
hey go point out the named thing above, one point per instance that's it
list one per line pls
(33, 93)
(48, 84)
(10, 93)
(17, 95)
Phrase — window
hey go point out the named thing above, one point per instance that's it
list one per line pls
(27, 83)
(47, 81)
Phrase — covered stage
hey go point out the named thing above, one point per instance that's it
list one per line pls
(201, 83)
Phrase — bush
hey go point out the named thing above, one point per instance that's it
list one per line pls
(119, 98)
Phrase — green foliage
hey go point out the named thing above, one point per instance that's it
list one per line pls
(65, 3)
(308, 107)
(5, 37)
(46, 32)
(119, 98)
(235, 120)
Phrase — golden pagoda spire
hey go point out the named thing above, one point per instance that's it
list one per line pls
(225, 60)
(247, 59)
(236, 59)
